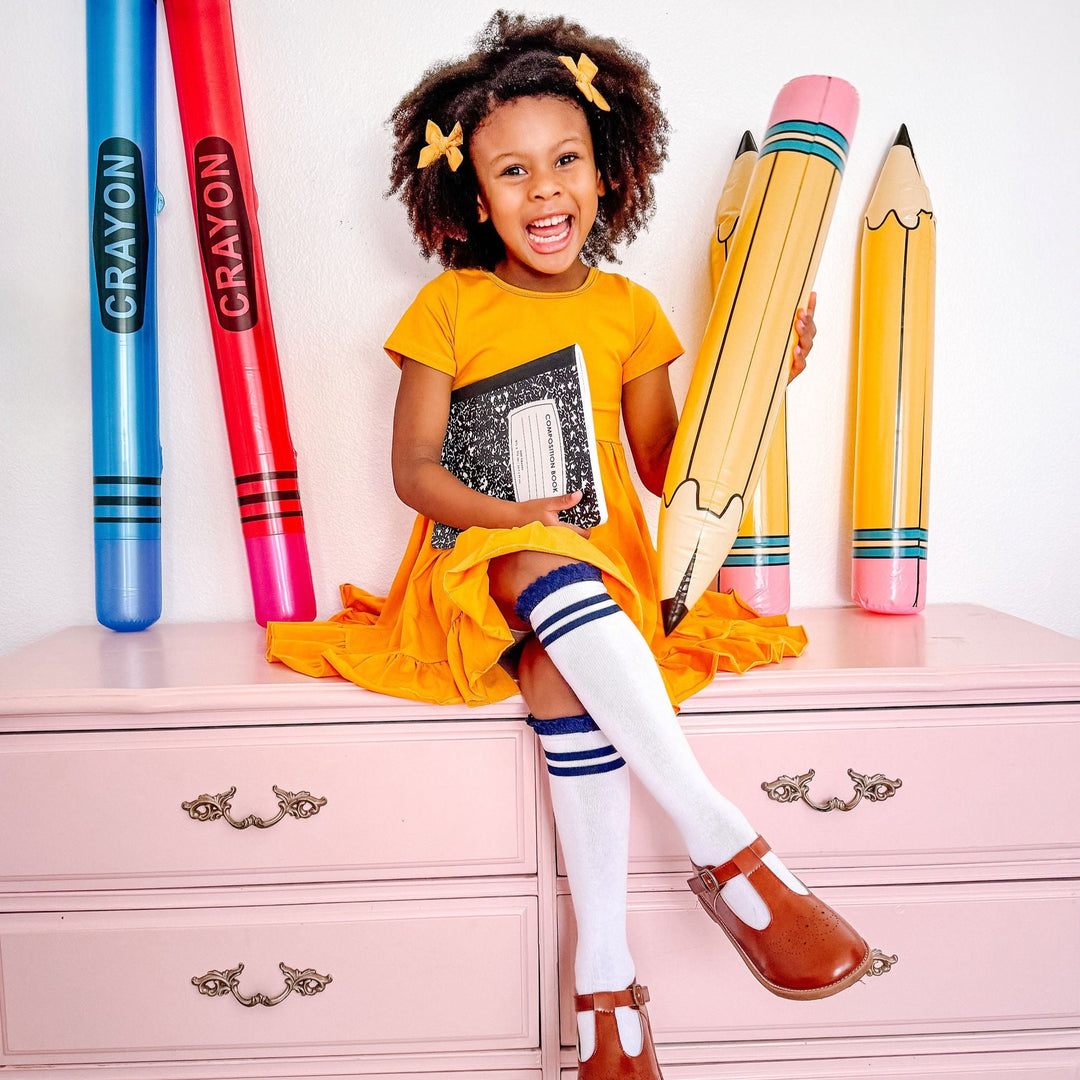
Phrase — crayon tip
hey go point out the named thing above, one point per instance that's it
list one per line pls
(673, 612)
(746, 145)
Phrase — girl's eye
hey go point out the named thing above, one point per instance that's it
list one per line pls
(513, 170)
(568, 159)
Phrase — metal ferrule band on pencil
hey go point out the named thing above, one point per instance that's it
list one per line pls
(806, 137)
(760, 551)
(889, 543)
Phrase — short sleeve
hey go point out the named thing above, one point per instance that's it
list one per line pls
(655, 341)
(425, 333)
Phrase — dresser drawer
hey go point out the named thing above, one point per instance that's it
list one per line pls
(979, 790)
(107, 810)
(1033, 1065)
(971, 958)
(410, 975)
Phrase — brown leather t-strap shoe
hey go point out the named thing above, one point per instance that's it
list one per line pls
(608, 1061)
(806, 951)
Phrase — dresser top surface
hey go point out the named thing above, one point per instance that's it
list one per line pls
(958, 654)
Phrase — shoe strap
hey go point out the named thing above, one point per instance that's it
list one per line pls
(635, 995)
(709, 879)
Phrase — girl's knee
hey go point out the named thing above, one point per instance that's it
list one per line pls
(509, 575)
(542, 686)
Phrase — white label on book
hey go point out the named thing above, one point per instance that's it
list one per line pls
(537, 459)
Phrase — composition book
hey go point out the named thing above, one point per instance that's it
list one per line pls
(527, 433)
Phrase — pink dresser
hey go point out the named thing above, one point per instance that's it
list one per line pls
(214, 869)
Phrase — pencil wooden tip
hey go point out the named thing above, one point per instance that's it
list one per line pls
(747, 145)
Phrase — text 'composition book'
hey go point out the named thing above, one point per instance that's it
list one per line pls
(527, 433)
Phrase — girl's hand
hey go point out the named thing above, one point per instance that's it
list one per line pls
(805, 328)
(546, 511)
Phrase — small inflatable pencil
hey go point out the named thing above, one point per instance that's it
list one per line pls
(120, 83)
(223, 199)
(891, 499)
(758, 566)
(738, 383)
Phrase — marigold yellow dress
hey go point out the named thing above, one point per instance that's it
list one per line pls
(438, 636)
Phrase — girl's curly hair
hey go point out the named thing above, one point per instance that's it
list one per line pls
(517, 57)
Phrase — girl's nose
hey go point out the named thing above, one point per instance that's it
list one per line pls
(545, 186)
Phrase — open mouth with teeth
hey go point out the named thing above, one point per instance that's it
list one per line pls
(549, 233)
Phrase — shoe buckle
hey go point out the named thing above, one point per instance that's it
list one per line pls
(708, 880)
(639, 994)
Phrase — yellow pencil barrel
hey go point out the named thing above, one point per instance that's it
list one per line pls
(757, 569)
(891, 496)
(737, 386)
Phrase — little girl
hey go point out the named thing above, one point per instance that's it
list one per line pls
(521, 167)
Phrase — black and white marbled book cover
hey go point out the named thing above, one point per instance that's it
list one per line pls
(526, 433)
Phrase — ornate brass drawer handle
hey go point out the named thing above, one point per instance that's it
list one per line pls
(219, 983)
(299, 804)
(880, 963)
(876, 788)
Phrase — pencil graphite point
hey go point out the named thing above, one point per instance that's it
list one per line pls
(747, 145)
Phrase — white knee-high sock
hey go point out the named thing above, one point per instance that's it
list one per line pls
(590, 794)
(610, 667)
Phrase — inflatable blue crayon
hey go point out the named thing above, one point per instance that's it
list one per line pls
(121, 73)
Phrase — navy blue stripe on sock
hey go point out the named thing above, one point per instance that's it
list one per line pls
(589, 601)
(587, 770)
(579, 755)
(563, 725)
(565, 629)
(547, 583)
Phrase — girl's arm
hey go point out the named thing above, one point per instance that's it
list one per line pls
(423, 405)
(651, 418)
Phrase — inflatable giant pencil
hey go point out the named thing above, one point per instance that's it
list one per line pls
(223, 198)
(120, 82)
(758, 566)
(742, 369)
(890, 505)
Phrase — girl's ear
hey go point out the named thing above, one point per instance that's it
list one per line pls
(481, 209)
(601, 189)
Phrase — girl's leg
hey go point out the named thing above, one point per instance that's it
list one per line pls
(590, 795)
(613, 673)
(609, 665)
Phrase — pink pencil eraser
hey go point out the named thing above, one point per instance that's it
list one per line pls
(766, 589)
(889, 586)
(818, 99)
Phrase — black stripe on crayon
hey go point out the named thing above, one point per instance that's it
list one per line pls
(127, 521)
(268, 496)
(155, 480)
(255, 478)
(126, 500)
(245, 520)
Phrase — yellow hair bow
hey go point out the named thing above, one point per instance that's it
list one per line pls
(583, 71)
(439, 144)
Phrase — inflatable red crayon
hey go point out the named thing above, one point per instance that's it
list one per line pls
(223, 199)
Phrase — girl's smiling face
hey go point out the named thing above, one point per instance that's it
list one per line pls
(539, 187)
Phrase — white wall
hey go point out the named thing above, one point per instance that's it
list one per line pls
(993, 116)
